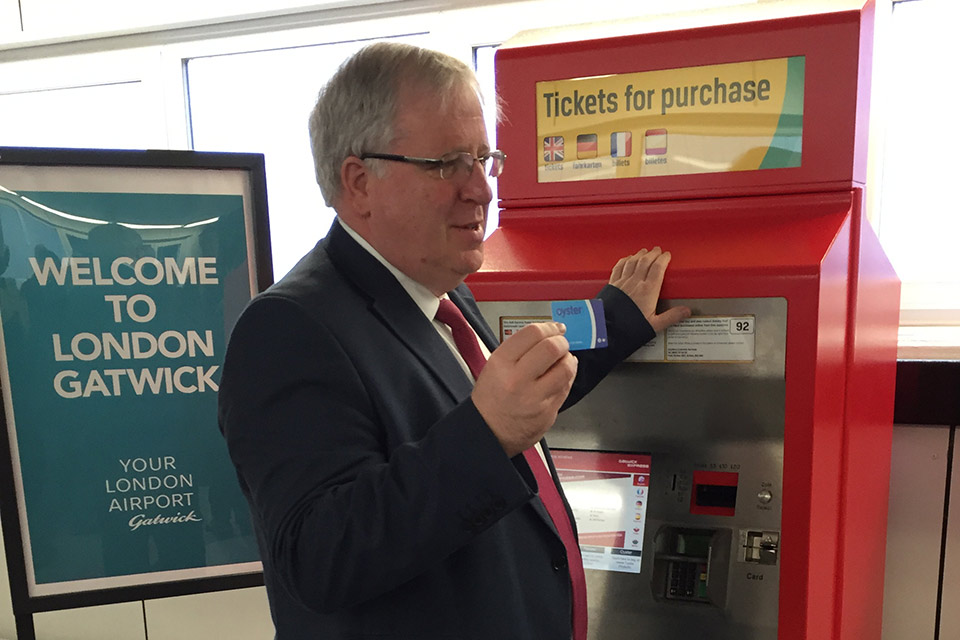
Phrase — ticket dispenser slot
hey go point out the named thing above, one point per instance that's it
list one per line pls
(691, 565)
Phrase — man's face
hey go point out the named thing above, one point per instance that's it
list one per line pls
(431, 228)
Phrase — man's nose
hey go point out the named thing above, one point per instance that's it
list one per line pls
(477, 187)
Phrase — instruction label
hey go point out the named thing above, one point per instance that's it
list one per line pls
(703, 339)
(509, 325)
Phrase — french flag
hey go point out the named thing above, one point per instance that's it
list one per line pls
(621, 144)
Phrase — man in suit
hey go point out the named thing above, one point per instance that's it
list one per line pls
(386, 474)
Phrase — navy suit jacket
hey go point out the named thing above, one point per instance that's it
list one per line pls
(384, 506)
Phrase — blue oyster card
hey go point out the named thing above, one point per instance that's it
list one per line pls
(586, 327)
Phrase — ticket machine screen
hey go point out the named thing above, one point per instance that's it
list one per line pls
(608, 494)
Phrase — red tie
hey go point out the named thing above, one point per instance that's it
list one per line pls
(463, 335)
(466, 341)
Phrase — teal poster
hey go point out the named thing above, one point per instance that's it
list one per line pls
(116, 308)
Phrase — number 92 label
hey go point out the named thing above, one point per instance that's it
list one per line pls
(742, 324)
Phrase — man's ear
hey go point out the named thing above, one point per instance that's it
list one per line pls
(354, 186)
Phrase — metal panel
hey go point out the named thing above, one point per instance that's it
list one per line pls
(914, 530)
(690, 416)
(949, 611)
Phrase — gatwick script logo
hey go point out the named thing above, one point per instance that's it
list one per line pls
(140, 520)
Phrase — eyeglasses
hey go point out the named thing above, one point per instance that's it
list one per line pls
(450, 163)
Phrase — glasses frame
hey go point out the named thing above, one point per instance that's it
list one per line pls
(448, 163)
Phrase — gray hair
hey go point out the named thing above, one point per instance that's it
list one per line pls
(355, 111)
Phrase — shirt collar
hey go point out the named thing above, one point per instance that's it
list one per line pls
(421, 296)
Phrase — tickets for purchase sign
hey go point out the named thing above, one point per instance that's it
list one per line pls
(740, 116)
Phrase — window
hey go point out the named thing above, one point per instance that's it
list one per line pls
(919, 226)
(483, 63)
(260, 101)
(92, 100)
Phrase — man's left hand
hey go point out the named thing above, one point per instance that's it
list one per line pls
(640, 276)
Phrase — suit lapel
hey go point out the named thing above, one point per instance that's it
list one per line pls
(465, 301)
(391, 303)
(462, 297)
(399, 314)
(556, 480)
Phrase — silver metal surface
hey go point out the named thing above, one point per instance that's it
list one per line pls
(690, 416)
(950, 612)
(918, 466)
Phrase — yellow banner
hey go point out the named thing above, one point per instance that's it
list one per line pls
(728, 117)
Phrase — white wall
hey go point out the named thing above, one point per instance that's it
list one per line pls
(9, 18)
(58, 18)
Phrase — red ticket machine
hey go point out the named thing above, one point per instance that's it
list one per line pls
(764, 421)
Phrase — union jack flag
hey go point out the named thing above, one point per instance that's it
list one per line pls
(553, 149)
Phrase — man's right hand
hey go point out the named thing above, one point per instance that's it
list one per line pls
(524, 383)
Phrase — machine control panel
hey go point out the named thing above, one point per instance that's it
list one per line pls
(692, 550)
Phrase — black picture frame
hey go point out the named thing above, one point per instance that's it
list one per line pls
(244, 169)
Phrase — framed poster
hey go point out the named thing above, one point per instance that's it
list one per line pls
(121, 275)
